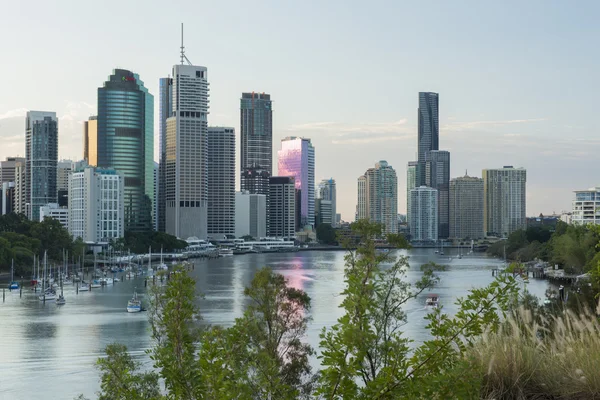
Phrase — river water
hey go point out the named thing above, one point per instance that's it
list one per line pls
(50, 351)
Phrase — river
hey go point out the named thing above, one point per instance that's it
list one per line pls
(50, 351)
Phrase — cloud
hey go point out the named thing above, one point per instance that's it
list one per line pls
(19, 112)
(461, 126)
(360, 133)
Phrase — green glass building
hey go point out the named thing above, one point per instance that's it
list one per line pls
(126, 143)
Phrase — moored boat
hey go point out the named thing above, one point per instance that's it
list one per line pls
(432, 300)
(134, 305)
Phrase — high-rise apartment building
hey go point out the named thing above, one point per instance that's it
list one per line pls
(466, 208)
(424, 214)
(20, 195)
(429, 132)
(586, 207)
(186, 147)
(7, 199)
(327, 191)
(411, 183)
(165, 107)
(361, 206)
(323, 214)
(297, 159)
(282, 214)
(504, 196)
(155, 202)
(250, 215)
(90, 141)
(256, 142)
(381, 196)
(126, 143)
(96, 204)
(437, 176)
(221, 182)
(41, 154)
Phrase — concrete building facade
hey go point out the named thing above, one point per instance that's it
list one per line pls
(466, 208)
(504, 194)
(250, 215)
(221, 182)
(424, 213)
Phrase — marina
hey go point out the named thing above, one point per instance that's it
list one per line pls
(56, 347)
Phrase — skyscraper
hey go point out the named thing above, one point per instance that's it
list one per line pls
(504, 196)
(323, 213)
(424, 213)
(90, 141)
(20, 196)
(437, 176)
(186, 146)
(256, 141)
(62, 182)
(155, 202)
(411, 183)
(381, 196)
(361, 206)
(221, 182)
(250, 215)
(126, 143)
(165, 99)
(327, 191)
(297, 159)
(466, 208)
(429, 132)
(41, 154)
(7, 168)
(282, 215)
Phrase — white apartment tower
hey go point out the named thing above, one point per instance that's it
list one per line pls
(586, 207)
(221, 182)
(424, 214)
(466, 208)
(250, 215)
(361, 207)
(96, 204)
(381, 196)
(504, 196)
(186, 158)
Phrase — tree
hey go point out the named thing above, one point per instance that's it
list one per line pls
(120, 379)
(247, 238)
(326, 234)
(262, 356)
(53, 237)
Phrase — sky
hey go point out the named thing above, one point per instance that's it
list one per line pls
(517, 80)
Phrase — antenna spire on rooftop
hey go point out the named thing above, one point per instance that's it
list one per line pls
(183, 56)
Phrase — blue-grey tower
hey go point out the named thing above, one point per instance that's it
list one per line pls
(429, 132)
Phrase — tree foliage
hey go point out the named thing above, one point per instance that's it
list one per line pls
(326, 234)
(140, 242)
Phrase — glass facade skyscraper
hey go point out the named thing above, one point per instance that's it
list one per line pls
(328, 192)
(256, 141)
(297, 159)
(437, 176)
(429, 131)
(41, 158)
(165, 97)
(126, 143)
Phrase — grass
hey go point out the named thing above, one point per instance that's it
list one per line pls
(554, 357)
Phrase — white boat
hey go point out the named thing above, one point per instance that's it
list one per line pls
(61, 300)
(96, 284)
(48, 295)
(432, 301)
(115, 280)
(107, 281)
(225, 252)
(134, 305)
(14, 285)
(84, 287)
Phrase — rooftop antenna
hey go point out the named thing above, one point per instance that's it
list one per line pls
(183, 56)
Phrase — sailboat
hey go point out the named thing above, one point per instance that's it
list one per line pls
(14, 285)
(61, 298)
(162, 265)
(459, 252)
(47, 293)
(134, 305)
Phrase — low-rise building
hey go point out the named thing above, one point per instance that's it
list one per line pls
(586, 207)
(53, 210)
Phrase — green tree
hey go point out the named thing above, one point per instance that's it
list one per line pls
(121, 380)
(247, 238)
(53, 237)
(326, 234)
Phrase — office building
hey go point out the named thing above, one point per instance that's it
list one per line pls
(7, 168)
(250, 215)
(165, 101)
(53, 210)
(327, 191)
(155, 208)
(41, 158)
(62, 182)
(96, 204)
(221, 182)
(411, 183)
(297, 159)
(429, 133)
(586, 207)
(7, 201)
(424, 213)
(504, 196)
(90, 141)
(126, 143)
(20, 196)
(323, 213)
(282, 212)
(256, 142)
(466, 208)
(437, 176)
(361, 206)
(381, 196)
(186, 146)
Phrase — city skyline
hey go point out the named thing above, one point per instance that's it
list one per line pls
(530, 117)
